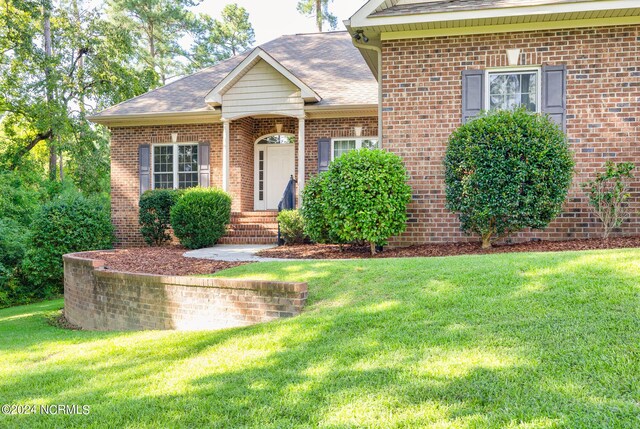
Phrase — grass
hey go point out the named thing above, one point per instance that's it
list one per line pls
(500, 341)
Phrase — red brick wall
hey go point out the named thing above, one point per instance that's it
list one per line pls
(315, 129)
(125, 184)
(422, 106)
(241, 164)
(104, 300)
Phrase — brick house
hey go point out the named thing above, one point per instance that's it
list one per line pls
(405, 75)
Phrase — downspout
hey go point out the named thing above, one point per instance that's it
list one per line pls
(378, 50)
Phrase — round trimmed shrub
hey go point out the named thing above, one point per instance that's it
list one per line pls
(66, 225)
(505, 171)
(291, 226)
(154, 215)
(200, 217)
(366, 196)
(314, 210)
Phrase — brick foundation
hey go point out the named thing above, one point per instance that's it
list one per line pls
(422, 107)
(96, 299)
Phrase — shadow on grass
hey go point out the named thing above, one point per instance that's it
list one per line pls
(502, 341)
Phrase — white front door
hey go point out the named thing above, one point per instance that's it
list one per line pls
(275, 164)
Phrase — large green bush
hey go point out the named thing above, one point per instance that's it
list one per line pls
(155, 215)
(365, 197)
(291, 226)
(64, 225)
(200, 217)
(13, 243)
(506, 171)
(314, 210)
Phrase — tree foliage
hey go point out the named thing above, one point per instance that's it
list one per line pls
(218, 40)
(157, 27)
(506, 171)
(47, 91)
(319, 9)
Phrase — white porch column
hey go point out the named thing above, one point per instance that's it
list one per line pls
(300, 159)
(225, 154)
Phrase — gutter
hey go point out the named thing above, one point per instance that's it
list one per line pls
(378, 51)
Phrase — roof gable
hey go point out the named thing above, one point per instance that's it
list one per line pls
(258, 54)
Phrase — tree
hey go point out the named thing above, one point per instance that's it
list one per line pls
(60, 59)
(158, 26)
(506, 171)
(320, 10)
(608, 194)
(218, 40)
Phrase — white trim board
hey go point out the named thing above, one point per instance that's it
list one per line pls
(359, 20)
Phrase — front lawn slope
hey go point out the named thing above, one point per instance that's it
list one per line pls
(502, 341)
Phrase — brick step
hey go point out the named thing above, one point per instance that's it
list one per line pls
(251, 233)
(253, 221)
(264, 214)
(253, 227)
(247, 240)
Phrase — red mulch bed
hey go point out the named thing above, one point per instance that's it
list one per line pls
(331, 251)
(165, 260)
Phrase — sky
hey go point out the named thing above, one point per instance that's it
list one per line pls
(274, 18)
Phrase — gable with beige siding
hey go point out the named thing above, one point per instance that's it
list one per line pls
(262, 90)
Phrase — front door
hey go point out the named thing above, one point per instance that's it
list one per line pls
(275, 164)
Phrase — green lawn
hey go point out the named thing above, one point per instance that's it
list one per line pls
(513, 341)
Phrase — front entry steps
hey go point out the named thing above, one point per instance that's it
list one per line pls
(252, 228)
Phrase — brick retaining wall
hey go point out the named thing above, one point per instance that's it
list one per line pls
(98, 299)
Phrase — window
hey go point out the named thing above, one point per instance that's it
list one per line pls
(343, 145)
(175, 166)
(509, 89)
(277, 139)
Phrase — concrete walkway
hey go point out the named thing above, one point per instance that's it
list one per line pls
(234, 253)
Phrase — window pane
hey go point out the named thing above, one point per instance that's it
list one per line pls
(163, 181)
(370, 143)
(187, 180)
(341, 147)
(510, 90)
(278, 139)
(188, 158)
(163, 159)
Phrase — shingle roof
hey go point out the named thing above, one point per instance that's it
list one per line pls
(327, 62)
(461, 5)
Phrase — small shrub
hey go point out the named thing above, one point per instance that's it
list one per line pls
(506, 171)
(65, 225)
(608, 193)
(314, 210)
(366, 197)
(200, 217)
(291, 226)
(155, 215)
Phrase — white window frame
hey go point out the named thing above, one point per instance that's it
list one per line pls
(175, 172)
(357, 139)
(513, 70)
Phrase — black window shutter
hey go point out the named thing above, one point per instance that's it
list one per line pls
(204, 171)
(324, 154)
(554, 93)
(472, 94)
(144, 161)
